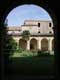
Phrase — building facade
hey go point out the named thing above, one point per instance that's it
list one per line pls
(41, 35)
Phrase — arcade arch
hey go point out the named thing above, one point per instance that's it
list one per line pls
(33, 44)
(44, 44)
(23, 43)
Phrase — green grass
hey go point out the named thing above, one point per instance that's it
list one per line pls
(28, 62)
(32, 65)
(23, 54)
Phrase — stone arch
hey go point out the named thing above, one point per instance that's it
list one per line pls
(23, 43)
(33, 44)
(12, 5)
(44, 44)
(53, 44)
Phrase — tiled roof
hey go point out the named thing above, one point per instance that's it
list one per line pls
(13, 28)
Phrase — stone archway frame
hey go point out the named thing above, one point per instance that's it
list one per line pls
(53, 45)
(43, 5)
(47, 6)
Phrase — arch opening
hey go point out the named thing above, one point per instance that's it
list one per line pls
(44, 45)
(22, 43)
(33, 44)
(26, 10)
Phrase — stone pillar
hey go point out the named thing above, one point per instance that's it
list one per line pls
(39, 44)
(50, 45)
(28, 45)
(18, 45)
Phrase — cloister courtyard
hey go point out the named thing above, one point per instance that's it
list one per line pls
(39, 33)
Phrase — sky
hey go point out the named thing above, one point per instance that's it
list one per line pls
(26, 12)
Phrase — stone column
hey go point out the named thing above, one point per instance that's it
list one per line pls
(50, 45)
(39, 44)
(28, 45)
(18, 45)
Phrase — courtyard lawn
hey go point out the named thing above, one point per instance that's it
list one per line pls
(41, 65)
(23, 54)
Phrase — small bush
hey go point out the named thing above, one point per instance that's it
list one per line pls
(43, 53)
(33, 51)
(19, 50)
(39, 53)
(29, 53)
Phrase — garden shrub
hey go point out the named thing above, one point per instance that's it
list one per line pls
(20, 50)
(39, 53)
(11, 46)
(43, 53)
(34, 52)
(27, 53)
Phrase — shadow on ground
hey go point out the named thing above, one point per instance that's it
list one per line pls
(30, 66)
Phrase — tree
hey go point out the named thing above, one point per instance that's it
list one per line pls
(26, 34)
(8, 47)
(11, 45)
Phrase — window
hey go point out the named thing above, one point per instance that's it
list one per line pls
(24, 23)
(38, 24)
(38, 31)
(50, 32)
(53, 28)
(49, 24)
(13, 32)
